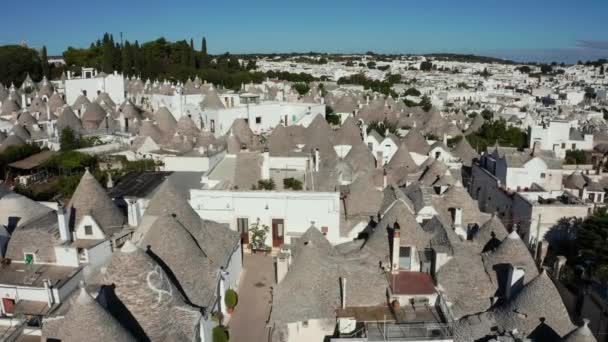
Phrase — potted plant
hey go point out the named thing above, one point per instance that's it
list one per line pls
(230, 299)
(258, 236)
(220, 334)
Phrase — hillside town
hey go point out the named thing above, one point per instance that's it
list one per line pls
(373, 198)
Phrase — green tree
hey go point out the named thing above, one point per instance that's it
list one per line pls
(68, 140)
(592, 237)
(426, 66)
(425, 103)
(412, 92)
(497, 131)
(128, 60)
(382, 126)
(546, 69)
(204, 46)
(45, 63)
(301, 88)
(524, 69)
(576, 157)
(108, 54)
(18, 61)
(331, 117)
(485, 73)
(487, 114)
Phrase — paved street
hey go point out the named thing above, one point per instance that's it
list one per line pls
(248, 323)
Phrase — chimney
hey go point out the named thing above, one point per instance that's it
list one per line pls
(396, 244)
(445, 139)
(110, 182)
(266, 164)
(514, 280)
(343, 292)
(282, 265)
(23, 101)
(317, 160)
(559, 265)
(62, 220)
(49, 293)
(132, 212)
(535, 148)
(384, 179)
(457, 218)
(364, 131)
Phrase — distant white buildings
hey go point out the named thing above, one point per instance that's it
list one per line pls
(559, 136)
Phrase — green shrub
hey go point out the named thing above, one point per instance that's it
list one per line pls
(292, 183)
(231, 298)
(220, 334)
(265, 184)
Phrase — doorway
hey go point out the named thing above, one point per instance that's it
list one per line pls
(278, 233)
(243, 227)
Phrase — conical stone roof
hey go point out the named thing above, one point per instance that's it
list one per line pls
(90, 198)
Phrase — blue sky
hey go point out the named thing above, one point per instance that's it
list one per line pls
(524, 30)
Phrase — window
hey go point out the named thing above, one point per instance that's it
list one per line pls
(88, 230)
(324, 230)
(563, 145)
(212, 126)
(29, 258)
(574, 146)
(542, 175)
(258, 120)
(370, 146)
(592, 197)
(304, 324)
(437, 154)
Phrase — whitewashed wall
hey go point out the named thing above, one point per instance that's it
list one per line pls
(298, 209)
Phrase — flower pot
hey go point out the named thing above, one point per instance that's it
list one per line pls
(230, 311)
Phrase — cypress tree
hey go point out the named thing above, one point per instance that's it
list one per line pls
(45, 63)
(204, 47)
(127, 59)
(192, 54)
(107, 54)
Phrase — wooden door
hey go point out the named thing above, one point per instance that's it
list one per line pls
(278, 232)
(243, 227)
(9, 305)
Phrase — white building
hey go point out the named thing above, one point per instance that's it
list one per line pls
(287, 214)
(261, 117)
(559, 136)
(91, 83)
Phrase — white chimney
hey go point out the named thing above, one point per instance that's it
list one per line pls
(384, 179)
(132, 211)
(282, 264)
(514, 280)
(343, 283)
(266, 164)
(62, 221)
(49, 293)
(396, 245)
(317, 160)
(457, 217)
(110, 182)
